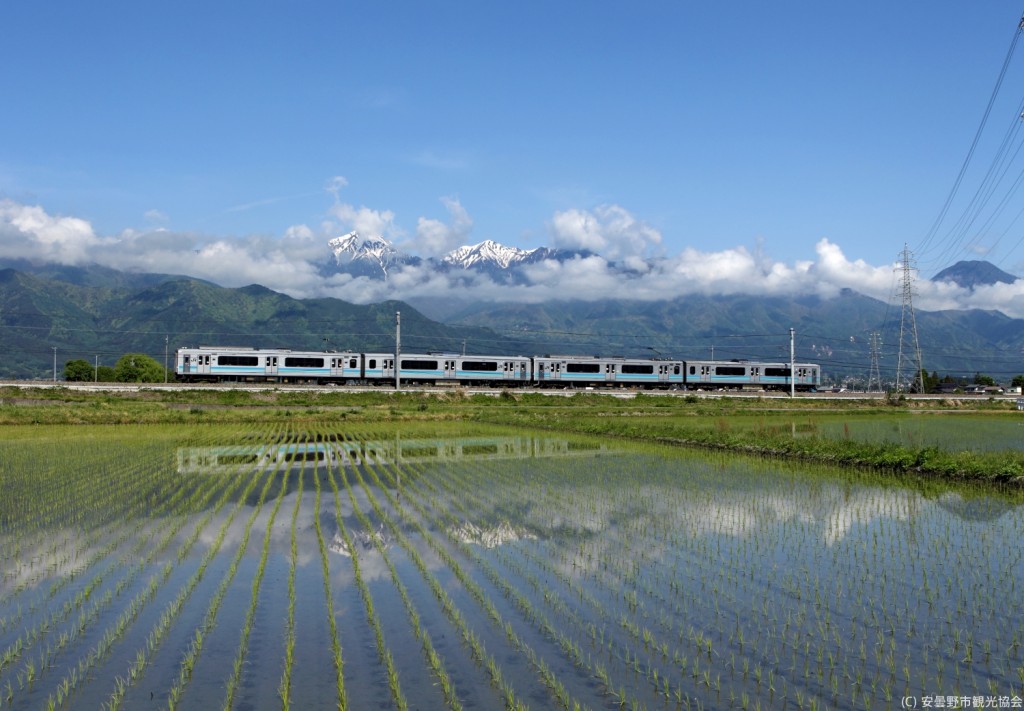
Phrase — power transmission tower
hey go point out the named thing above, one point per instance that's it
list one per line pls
(908, 330)
(874, 375)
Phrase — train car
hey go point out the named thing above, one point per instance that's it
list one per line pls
(432, 368)
(241, 364)
(750, 374)
(569, 370)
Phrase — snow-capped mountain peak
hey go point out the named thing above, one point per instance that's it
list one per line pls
(370, 253)
(486, 252)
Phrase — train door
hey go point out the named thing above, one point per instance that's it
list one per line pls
(201, 364)
(270, 365)
(541, 371)
(449, 370)
(609, 372)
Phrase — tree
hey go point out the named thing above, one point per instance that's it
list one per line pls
(107, 374)
(1018, 381)
(78, 371)
(138, 368)
(980, 379)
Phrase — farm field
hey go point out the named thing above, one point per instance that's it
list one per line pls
(455, 565)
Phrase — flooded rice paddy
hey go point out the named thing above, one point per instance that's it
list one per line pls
(333, 568)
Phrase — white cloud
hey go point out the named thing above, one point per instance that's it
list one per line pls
(29, 232)
(291, 263)
(609, 229)
(435, 238)
(156, 216)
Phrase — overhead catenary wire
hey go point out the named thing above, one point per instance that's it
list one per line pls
(926, 244)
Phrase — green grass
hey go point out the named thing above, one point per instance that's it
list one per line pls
(773, 426)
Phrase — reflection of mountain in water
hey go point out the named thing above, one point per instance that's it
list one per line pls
(469, 532)
(982, 509)
(363, 540)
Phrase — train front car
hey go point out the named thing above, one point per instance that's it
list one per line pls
(241, 364)
(591, 371)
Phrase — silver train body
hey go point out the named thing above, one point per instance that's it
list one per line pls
(238, 364)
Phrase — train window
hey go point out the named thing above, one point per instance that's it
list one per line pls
(353, 363)
(238, 360)
(777, 372)
(302, 362)
(730, 370)
(207, 360)
(372, 363)
(634, 369)
(676, 369)
(693, 370)
(582, 367)
(419, 365)
(482, 366)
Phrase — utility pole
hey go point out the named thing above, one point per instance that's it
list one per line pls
(398, 350)
(165, 359)
(55, 364)
(908, 328)
(792, 362)
(874, 375)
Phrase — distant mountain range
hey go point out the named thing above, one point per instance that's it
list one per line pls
(376, 257)
(89, 312)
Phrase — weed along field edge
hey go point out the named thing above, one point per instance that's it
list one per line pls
(379, 551)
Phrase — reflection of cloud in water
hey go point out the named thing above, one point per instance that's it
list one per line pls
(828, 511)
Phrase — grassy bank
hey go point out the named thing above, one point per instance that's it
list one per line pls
(754, 425)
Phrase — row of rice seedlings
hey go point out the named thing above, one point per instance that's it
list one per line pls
(70, 606)
(68, 636)
(479, 653)
(117, 630)
(473, 499)
(550, 597)
(192, 654)
(86, 500)
(111, 500)
(383, 653)
(341, 700)
(433, 658)
(284, 688)
(171, 611)
(235, 677)
(797, 593)
(551, 682)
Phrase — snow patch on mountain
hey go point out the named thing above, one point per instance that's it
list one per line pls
(487, 252)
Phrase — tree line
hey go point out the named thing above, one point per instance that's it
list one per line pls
(130, 368)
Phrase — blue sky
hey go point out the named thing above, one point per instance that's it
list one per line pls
(757, 127)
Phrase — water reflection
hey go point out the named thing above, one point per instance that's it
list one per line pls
(383, 451)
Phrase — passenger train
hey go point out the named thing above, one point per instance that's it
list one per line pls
(239, 364)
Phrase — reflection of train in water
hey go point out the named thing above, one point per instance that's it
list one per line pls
(337, 451)
(237, 364)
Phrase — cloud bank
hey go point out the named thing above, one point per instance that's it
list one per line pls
(624, 260)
